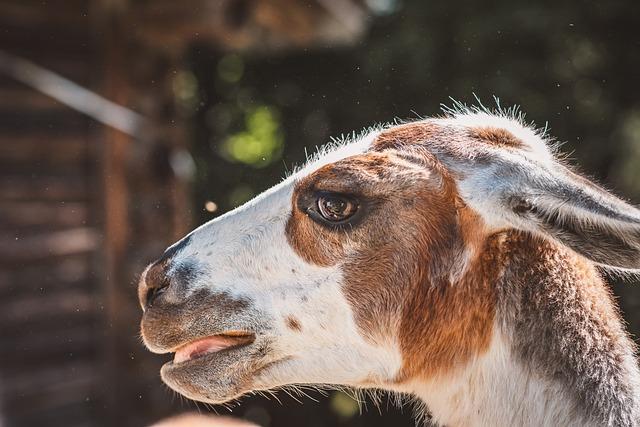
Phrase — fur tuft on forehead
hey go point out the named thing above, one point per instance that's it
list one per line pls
(469, 133)
(504, 128)
(466, 130)
(339, 148)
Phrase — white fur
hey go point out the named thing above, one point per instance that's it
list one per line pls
(495, 390)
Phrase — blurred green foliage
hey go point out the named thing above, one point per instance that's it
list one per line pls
(260, 143)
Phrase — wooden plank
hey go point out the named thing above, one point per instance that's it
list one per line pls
(41, 329)
(48, 309)
(38, 307)
(16, 215)
(27, 99)
(51, 274)
(67, 188)
(42, 166)
(37, 169)
(22, 122)
(12, 288)
(49, 381)
(116, 149)
(67, 14)
(48, 346)
(17, 249)
(36, 150)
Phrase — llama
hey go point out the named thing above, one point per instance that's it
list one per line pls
(454, 259)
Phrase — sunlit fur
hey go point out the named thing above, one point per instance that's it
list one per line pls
(471, 286)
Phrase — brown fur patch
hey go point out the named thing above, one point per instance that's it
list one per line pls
(495, 136)
(445, 324)
(293, 323)
(399, 262)
(410, 133)
(441, 320)
(419, 140)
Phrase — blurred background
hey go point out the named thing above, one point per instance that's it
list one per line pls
(124, 123)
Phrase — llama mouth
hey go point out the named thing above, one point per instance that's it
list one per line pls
(214, 369)
(211, 345)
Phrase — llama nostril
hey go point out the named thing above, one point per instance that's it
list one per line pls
(152, 294)
(154, 283)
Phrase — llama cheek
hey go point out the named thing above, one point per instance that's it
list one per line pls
(454, 322)
(311, 243)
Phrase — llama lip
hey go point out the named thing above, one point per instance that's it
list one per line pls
(212, 344)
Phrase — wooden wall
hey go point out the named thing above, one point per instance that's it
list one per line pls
(84, 207)
(50, 236)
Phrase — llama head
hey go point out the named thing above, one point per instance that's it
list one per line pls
(372, 266)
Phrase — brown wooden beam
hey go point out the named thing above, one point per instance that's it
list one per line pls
(115, 153)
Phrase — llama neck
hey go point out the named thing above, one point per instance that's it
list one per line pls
(559, 353)
(496, 390)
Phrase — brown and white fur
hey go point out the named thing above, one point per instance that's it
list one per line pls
(469, 277)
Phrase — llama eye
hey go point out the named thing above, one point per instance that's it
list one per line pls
(336, 208)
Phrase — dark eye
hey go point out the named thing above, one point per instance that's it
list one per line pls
(336, 208)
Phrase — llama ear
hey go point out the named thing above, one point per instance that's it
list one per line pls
(556, 202)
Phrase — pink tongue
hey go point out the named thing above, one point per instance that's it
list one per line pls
(202, 346)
